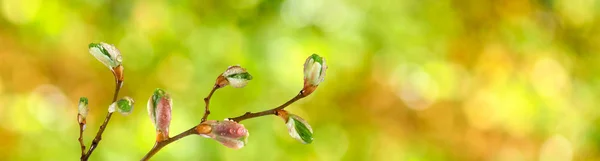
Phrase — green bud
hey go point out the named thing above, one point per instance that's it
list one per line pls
(82, 110)
(123, 105)
(314, 73)
(108, 54)
(236, 76)
(314, 70)
(299, 129)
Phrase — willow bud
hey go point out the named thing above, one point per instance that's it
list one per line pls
(314, 73)
(298, 128)
(235, 76)
(229, 133)
(123, 106)
(159, 110)
(108, 54)
(82, 110)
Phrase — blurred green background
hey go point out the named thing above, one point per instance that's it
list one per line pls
(502, 80)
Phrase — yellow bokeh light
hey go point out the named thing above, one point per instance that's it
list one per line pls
(20, 11)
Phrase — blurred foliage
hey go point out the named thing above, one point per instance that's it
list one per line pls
(407, 80)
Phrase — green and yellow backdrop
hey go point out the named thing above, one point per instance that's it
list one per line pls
(502, 80)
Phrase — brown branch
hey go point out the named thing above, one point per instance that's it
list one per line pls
(159, 145)
(81, 126)
(207, 102)
(103, 126)
(249, 115)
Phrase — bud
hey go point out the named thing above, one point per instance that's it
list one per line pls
(235, 76)
(297, 127)
(83, 110)
(229, 133)
(124, 106)
(159, 110)
(314, 73)
(108, 54)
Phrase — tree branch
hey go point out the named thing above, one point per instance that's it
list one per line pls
(159, 145)
(249, 115)
(81, 126)
(103, 126)
(207, 102)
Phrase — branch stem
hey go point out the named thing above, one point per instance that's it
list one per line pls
(159, 145)
(103, 126)
(207, 102)
(249, 115)
(81, 126)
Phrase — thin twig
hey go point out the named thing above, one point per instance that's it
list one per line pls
(103, 126)
(207, 102)
(81, 126)
(273, 111)
(159, 145)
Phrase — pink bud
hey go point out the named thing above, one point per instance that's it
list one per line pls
(229, 133)
(163, 115)
(159, 110)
